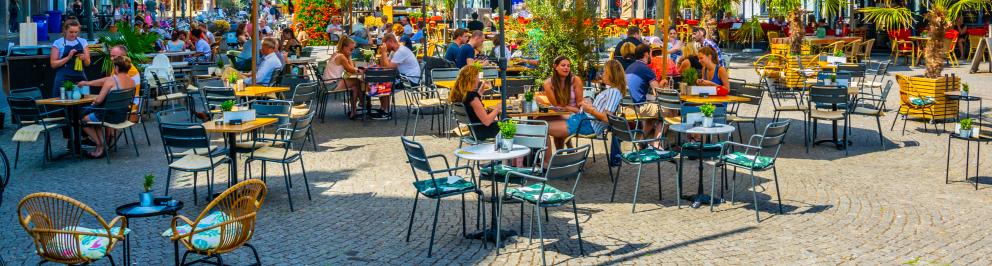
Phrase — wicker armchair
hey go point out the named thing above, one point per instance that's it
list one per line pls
(54, 223)
(226, 224)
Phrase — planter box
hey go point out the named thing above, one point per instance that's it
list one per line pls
(936, 88)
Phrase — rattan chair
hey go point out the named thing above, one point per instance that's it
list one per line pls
(439, 187)
(225, 225)
(759, 154)
(904, 47)
(285, 148)
(621, 130)
(55, 224)
(564, 164)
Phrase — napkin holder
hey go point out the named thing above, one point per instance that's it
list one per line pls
(239, 116)
(703, 90)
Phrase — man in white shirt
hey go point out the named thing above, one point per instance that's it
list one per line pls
(270, 62)
(202, 53)
(402, 59)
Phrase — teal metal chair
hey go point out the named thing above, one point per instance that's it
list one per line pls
(759, 154)
(638, 156)
(564, 164)
(438, 187)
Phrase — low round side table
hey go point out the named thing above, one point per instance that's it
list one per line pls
(488, 152)
(135, 210)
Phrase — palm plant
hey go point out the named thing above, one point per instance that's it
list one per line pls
(565, 29)
(940, 15)
(138, 44)
(793, 10)
(750, 31)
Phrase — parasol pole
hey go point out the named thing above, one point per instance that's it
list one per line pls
(663, 23)
(254, 40)
(423, 18)
(501, 58)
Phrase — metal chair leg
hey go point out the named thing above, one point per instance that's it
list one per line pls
(659, 180)
(306, 182)
(637, 185)
(578, 230)
(258, 262)
(617, 180)
(413, 213)
(289, 195)
(777, 192)
(754, 196)
(713, 188)
(540, 233)
(437, 208)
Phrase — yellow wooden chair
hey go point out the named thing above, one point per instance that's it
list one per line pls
(853, 51)
(772, 35)
(866, 50)
(55, 223)
(951, 57)
(769, 66)
(904, 47)
(973, 47)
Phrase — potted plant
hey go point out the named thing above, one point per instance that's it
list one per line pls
(67, 90)
(507, 129)
(831, 81)
(528, 104)
(965, 128)
(147, 199)
(227, 106)
(964, 89)
(707, 110)
(689, 77)
(219, 69)
(232, 80)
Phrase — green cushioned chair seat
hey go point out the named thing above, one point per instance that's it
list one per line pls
(91, 247)
(204, 240)
(446, 185)
(502, 169)
(648, 155)
(748, 161)
(531, 192)
(710, 150)
(922, 101)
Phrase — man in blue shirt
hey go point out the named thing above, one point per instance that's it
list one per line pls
(466, 54)
(451, 52)
(641, 82)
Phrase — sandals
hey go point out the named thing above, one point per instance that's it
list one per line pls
(91, 156)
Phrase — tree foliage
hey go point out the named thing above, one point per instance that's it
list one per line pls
(138, 44)
(562, 28)
(315, 15)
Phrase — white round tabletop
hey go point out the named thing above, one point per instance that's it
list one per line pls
(488, 152)
(691, 129)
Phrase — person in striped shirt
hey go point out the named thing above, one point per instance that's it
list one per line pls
(605, 103)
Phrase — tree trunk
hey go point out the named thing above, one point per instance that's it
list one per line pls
(796, 32)
(935, 53)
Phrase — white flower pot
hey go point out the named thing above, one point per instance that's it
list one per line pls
(964, 93)
(505, 144)
(707, 121)
(965, 133)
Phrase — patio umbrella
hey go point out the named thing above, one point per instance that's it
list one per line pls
(501, 58)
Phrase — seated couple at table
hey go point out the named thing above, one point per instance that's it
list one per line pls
(118, 80)
(563, 92)
(270, 63)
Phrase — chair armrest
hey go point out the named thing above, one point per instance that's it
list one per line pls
(449, 170)
(512, 173)
(120, 233)
(175, 233)
(50, 112)
(446, 165)
(735, 144)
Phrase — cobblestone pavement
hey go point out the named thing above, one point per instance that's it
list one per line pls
(874, 206)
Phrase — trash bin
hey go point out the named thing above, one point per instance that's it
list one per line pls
(55, 21)
(41, 21)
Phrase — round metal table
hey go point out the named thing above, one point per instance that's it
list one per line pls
(488, 152)
(135, 210)
(706, 132)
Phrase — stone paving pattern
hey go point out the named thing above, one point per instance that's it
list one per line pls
(872, 207)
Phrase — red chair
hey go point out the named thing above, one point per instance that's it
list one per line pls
(648, 22)
(723, 25)
(692, 22)
(636, 21)
(977, 31)
(951, 34)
